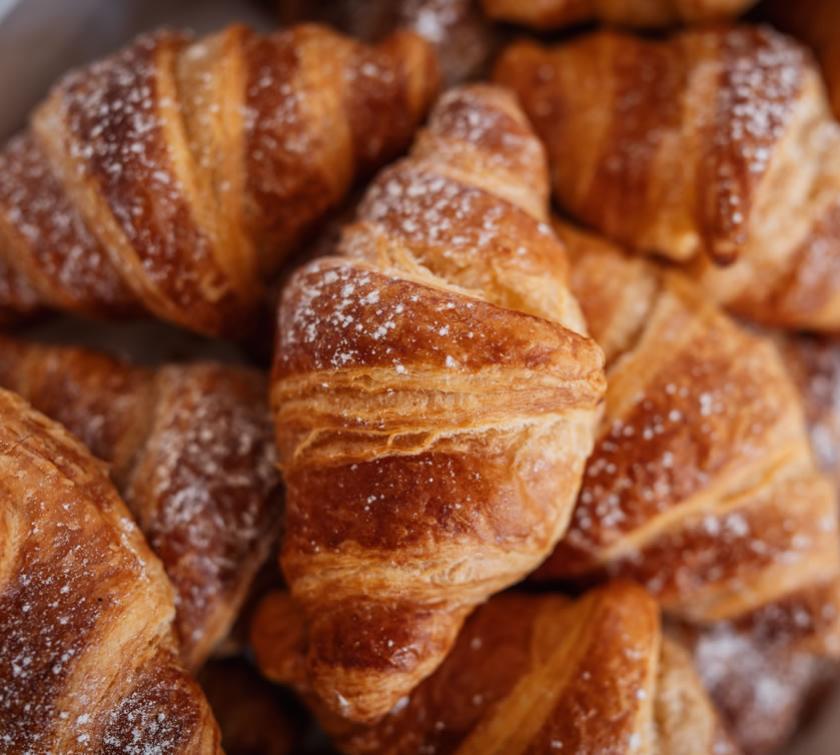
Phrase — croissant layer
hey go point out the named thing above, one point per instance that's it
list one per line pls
(87, 653)
(435, 399)
(712, 147)
(174, 176)
(190, 448)
(531, 674)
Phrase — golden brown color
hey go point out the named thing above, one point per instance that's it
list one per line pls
(711, 146)
(435, 401)
(87, 653)
(537, 675)
(702, 485)
(817, 23)
(556, 14)
(191, 450)
(175, 175)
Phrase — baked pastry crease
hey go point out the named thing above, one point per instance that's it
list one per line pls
(435, 400)
(714, 148)
(88, 659)
(190, 448)
(174, 176)
(531, 674)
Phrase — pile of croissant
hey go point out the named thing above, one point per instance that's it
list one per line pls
(548, 451)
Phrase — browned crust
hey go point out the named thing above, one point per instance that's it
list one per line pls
(176, 174)
(817, 23)
(692, 147)
(558, 14)
(190, 447)
(85, 607)
(434, 399)
(529, 674)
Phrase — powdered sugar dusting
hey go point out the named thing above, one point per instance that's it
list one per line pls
(762, 73)
(77, 269)
(75, 567)
(205, 490)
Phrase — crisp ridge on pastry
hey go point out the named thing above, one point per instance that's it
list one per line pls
(175, 175)
(435, 400)
(702, 485)
(190, 448)
(555, 14)
(88, 659)
(535, 674)
(711, 146)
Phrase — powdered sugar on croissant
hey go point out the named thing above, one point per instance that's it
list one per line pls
(435, 399)
(712, 146)
(175, 175)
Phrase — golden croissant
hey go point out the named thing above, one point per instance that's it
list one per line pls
(702, 485)
(88, 659)
(190, 449)
(712, 147)
(175, 175)
(555, 14)
(536, 674)
(817, 23)
(435, 400)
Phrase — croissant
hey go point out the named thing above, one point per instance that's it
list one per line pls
(435, 399)
(87, 654)
(191, 450)
(713, 146)
(817, 23)
(556, 14)
(529, 673)
(702, 485)
(174, 176)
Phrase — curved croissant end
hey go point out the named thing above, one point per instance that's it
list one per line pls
(190, 449)
(176, 174)
(702, 485)
(532, 674)
(87, 653)
(556, 14)
(435, 401)
(757, 185)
